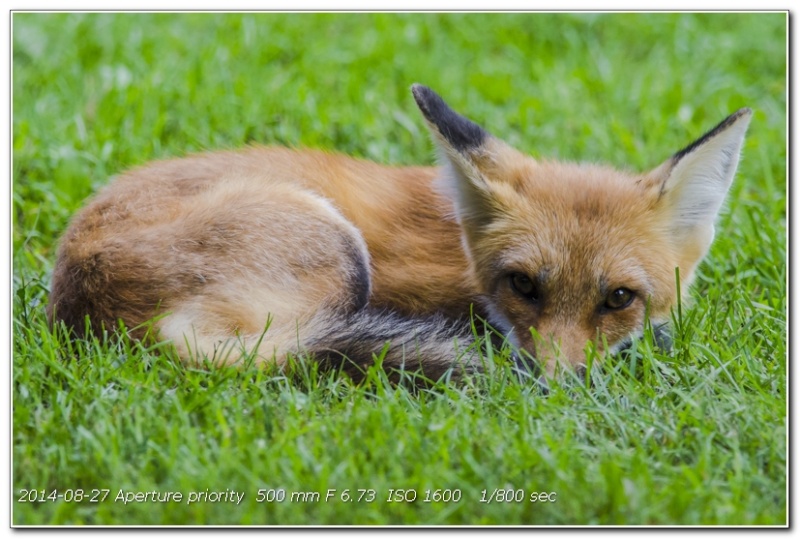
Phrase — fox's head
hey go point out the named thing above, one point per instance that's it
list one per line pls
(567, 254)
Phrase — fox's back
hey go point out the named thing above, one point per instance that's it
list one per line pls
(118, 255)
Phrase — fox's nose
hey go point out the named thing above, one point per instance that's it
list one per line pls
(562, 350)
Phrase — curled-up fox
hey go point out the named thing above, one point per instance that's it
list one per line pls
(272, 252)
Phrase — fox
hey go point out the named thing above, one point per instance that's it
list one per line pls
(267, 253)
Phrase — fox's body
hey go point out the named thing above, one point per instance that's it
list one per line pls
(342, 256)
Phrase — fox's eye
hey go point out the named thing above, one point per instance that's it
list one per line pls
(524, 286)
(618, 299)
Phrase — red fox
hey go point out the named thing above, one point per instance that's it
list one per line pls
(271, 252)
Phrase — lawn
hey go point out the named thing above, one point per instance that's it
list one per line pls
(105, 430)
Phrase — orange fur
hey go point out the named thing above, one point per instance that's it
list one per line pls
(221, 244)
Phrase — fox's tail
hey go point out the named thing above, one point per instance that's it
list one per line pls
(433, 346)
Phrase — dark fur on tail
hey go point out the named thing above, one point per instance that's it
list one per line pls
(432, 346)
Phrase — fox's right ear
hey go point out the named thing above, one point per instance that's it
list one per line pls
(469, 154)
(692, 184)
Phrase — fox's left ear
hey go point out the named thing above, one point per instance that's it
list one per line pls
(471, 157)
(692, 184)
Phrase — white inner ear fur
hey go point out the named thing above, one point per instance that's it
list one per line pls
(455, 186)
(462, 182)
(698, 182)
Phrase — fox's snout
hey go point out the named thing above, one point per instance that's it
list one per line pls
(552, 352)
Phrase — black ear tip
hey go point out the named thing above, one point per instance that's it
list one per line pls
(745, 112)
(460, 132)
(428, 101)
(423, 94)
(418, 89)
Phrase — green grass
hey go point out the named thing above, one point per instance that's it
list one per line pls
(695, 436)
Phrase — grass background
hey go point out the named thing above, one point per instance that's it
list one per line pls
(696, 436)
